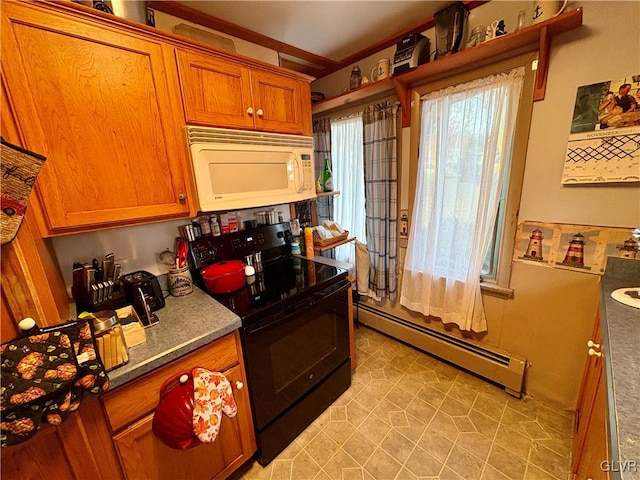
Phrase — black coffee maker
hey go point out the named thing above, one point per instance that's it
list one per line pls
(451, 26)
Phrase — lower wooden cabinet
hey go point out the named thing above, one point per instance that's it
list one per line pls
(111, 437)
(590, 439)
(143, 456)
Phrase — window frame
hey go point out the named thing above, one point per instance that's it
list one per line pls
(499, 283)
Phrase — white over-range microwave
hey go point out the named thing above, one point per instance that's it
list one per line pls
(242, 169)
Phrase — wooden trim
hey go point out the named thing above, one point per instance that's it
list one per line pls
(299, 67)
(528, 39)
(32, 283)
(363, 92)
(425, 24)
(543, 65)
(215, 23)
(404, 94)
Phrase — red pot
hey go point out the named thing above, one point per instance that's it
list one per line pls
(224, 277)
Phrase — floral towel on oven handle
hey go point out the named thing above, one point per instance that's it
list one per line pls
(44, 376)
(212, 395)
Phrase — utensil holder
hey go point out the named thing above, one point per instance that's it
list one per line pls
(180, 281)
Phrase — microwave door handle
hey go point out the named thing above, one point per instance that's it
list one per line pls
(298, 180)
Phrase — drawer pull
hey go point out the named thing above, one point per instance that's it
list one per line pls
(594, 353)
(239, 385)
(592, 344)
(260, 112)
(250, 111)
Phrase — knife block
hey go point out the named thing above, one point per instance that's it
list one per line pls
(84, 302)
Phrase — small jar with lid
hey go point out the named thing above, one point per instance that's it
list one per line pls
(478, 35)
(356, 78)
(109, 339)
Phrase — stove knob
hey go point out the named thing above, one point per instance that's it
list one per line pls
(200, 254)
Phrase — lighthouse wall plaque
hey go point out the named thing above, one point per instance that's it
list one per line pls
(581, 248)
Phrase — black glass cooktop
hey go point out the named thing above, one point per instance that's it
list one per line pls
(280, 283)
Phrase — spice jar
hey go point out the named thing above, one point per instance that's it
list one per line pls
(109, 338)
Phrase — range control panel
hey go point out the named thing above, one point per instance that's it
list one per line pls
(272, 240)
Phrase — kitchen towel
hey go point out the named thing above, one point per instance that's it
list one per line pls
(212, 395)
(20, 168)
(44, 376)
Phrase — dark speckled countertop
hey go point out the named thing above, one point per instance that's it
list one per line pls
(185, 324)
(621, 336)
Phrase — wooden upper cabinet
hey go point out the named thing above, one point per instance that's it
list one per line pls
(279, 103)
(97, 103)
(220, 93)
(214, 92)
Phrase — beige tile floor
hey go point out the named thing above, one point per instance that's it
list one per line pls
(409, 416)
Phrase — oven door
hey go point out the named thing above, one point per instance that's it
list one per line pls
(290, 352)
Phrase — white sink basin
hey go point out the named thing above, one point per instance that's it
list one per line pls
(629, 296)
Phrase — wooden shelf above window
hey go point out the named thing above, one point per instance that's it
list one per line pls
(533, 37)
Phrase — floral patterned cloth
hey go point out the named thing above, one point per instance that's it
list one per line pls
(212, 395)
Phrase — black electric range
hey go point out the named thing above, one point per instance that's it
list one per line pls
(295, 331)
(283, 279)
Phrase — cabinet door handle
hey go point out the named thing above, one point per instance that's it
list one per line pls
(260, 112)
(250, 111)
(239, 385)
(594, 353)
(592, 344)
(182, 197)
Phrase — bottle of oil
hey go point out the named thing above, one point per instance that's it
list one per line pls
(327, 177)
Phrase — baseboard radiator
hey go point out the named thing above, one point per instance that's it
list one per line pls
(498, 366)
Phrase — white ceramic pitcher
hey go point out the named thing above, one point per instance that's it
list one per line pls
(546, 9)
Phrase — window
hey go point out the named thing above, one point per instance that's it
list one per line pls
(466, 138)
(496, 270)
(348, 179)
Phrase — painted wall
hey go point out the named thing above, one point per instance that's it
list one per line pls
(135, 248)
(166, 23)
(551, 316)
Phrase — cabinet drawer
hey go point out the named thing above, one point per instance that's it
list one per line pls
(131, 402)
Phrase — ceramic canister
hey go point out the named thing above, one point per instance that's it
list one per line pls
(546, 9)
(180, 281)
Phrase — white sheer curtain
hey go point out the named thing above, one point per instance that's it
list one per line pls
(466, 138)
(348, 178)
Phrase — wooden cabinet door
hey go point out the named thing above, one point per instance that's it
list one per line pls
(280, 103)
(40, 457)
(594, 446)
(215, 92)
(143, 456)
(589, 442)
(96, 102)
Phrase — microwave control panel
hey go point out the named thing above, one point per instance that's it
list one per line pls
(307, 172)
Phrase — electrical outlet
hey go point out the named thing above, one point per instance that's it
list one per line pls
(404, 223)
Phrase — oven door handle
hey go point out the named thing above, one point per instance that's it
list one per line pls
(293, 310)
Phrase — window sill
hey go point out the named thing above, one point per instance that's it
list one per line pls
(496, 290)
